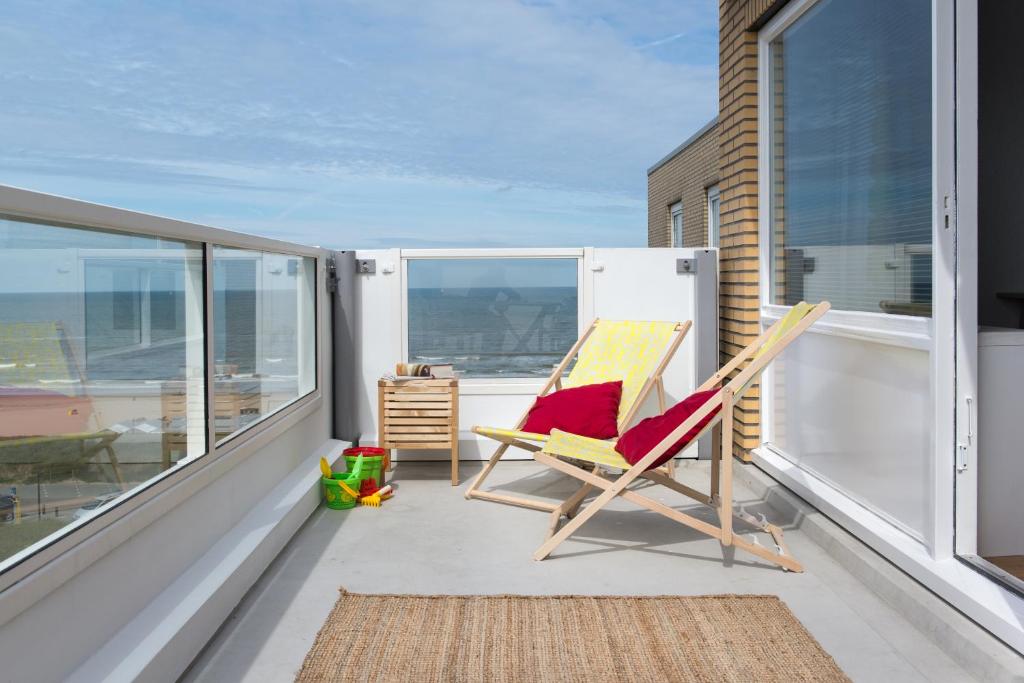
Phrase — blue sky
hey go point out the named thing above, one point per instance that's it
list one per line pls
(362, 124)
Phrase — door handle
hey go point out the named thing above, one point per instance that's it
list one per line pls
(970, 419)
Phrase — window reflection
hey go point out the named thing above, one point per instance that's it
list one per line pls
(98, 332)
(512, 317)
(264, 334)
(851, 157)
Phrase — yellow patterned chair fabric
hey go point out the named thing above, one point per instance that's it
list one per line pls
(584, 448)
(626, 350)
(34, 352)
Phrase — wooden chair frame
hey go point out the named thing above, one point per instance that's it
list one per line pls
(554, 382)
(720, 496)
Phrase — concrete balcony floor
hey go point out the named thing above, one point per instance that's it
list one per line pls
(430, 540)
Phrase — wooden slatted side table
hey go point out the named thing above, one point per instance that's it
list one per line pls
(418, 414)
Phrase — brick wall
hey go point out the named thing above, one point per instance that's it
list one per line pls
(737, 128)
(684, 176)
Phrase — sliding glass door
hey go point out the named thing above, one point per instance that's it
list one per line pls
(990, 303)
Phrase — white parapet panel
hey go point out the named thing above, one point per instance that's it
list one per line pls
(637, 284)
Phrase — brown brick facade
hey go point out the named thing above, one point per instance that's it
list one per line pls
(684, 175)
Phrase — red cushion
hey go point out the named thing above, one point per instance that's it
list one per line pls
(641, 439)
(589, 410)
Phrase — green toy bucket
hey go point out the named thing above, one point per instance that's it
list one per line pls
(373, 459)
(336, 496)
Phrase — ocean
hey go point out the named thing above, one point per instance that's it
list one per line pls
(493, 331)
(483, 332)
(127, 336)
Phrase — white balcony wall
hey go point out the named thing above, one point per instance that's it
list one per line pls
(639, 284)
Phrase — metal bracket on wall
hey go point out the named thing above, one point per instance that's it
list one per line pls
(332, 275)
(366, 266)
(686, 265)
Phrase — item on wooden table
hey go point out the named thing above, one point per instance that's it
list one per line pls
(442, 372)
(420, 371)
(412, 369)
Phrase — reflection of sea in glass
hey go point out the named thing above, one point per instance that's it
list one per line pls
(493, 317)
(99, 334)
(263, 334)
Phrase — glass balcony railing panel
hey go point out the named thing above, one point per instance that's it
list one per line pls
(264, 334)
(493, 317)
(101, 370)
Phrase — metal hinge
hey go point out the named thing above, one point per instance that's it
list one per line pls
(686, 265)
(332, 275)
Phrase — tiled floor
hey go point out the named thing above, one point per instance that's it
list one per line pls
(430, 540)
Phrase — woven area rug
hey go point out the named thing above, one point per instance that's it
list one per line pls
(564, 638)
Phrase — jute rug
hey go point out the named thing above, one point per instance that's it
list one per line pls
(394, 638)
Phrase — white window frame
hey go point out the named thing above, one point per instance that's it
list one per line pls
(146, 501)
(932, 561)
(91, 256)
(900, 330)
(675, 209)
(714, 216)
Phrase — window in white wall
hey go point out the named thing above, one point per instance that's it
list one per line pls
(264, 334)
(850, 160)
(676, 218)
(493, 317)
(713, 216)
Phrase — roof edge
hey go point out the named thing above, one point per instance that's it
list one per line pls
(686, 143)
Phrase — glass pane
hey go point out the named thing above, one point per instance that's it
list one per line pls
(677, 225)
(493, 317)
(851, 158)
(101, 386)
(264, 334)
(858, 415)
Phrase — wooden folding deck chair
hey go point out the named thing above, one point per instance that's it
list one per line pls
(760, 353)
(637, 352)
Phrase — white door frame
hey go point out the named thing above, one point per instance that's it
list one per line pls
(944, 287)
(966, 353)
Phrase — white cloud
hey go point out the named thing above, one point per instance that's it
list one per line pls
(321, 116)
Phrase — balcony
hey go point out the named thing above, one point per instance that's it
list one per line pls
(169, 389)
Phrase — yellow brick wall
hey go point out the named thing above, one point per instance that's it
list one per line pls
(737, 135)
